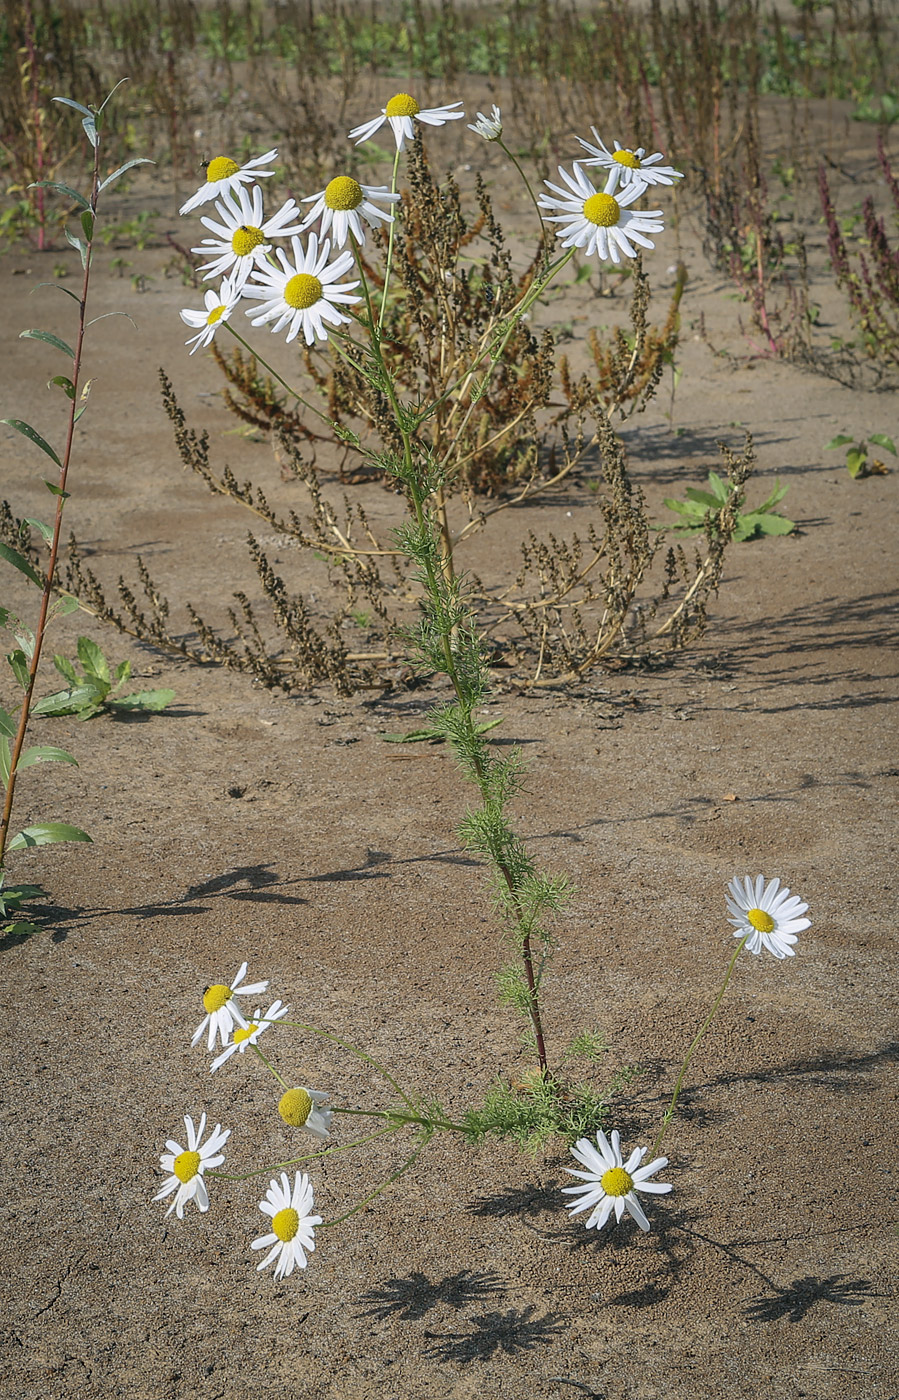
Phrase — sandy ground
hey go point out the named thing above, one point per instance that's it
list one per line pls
(246, 825)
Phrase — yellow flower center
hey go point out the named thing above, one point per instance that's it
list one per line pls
(344, 193)
(627, 158)
(285, 1224)
(295, 1107)
(402, 105)
(246, 238)
(215, 997)
(760, 920)
(302, 291)
(244, 1032)
(222, 168)
(186, 1165)
(617, 1182)
(602, 209)
(215, 315)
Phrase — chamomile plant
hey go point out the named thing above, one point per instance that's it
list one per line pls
(324, 290)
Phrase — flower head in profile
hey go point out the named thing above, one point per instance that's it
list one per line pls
(343, 204)
(222, 1010)
(187, 1165)
(400, 113)
(241, 243)
(293, 1224)
(219, 306)
(250, 1033)
(598, 220)
(303, 295)
(224, 174)
(611, 1184)
(765, 915)
(300, 1109)
(633, 167)
(491, 128)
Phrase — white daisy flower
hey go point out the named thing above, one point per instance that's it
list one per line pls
(767, 914)
(293, 1224)
(222, 1011)
(218, 308)
(187, 1165)
(250, 1033)
(491, 128)
(241, 243)
(634, 167)
(302, 296)
(598, 221)
(299, 1109)
(340, 205)
(224, 174)
(399, 112)
(610, 1183)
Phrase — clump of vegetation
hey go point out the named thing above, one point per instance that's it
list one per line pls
(96, 690)
(701, 506)
(858, 460)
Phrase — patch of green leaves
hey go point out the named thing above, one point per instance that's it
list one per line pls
(700, 506)
(97, 688)
(857, 461)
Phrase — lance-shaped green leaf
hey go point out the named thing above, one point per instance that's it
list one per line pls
(45, 753)
(5, 760)
(77, 243)
(19, 663)
(93, 660)
(33, 435)
(840, 441)
(65, 702)
(154, 700)
(60, 188)
(141, 160)
(59, 287)
(13, 557)
(87, 224)
(62, 382)
(46, 835)
(7, 724)
(881, 440)
(77, 106)
(49, 339)
(90, 129)
(56, 490)
(45, 530)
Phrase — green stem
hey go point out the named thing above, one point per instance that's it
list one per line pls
(275, 375)
(396, 1115)
(544, 241)
(270, 1066)
(669, 1113)
(390, 236)
(394, 1176)
(309, 1156)
(354, 1050)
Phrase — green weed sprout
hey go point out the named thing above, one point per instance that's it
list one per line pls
(25, 656)
(857, 461)
(699, 506)
(95, 691)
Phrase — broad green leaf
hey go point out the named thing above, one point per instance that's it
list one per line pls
(774, 524)
(66, 669)
(720, 488)
(45, 753)
(881, 440)
(154, 700)
(840, 441)
(12, 557)
(33, 435)
(855, 461)
(93, 660)
(705, 497)
(65, 605)
(681, 507)
(7, 724)
(65, 702)
(67, 102)
(25, 638)
(46, 835)
(50, 339)
(122, 672)
(87, 224)
(63, 383)
(19, 664)
(42, 529)
(57, 185)
(141, 160)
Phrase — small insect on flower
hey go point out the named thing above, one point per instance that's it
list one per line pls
(187, 1165)
(611, 1184)
(598, 220)
(634, 167)
(293, 1224)
(250, 1033)
(399, 113)
(224, 174)
(491, 128)
(302, 294)
(218, 309)
(222, 1011)
(765, 915)
(299, 1109)
(242, 238)
(343, 204)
